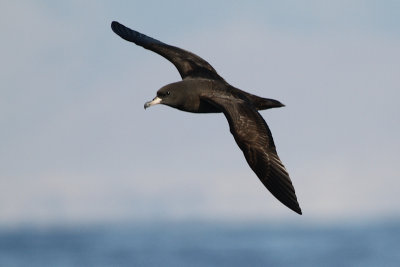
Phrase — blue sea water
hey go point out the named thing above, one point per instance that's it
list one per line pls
(208, 244)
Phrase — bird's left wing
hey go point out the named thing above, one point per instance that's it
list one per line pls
(254, 138)
(188, 64)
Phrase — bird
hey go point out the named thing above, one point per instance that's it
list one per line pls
(203, 90)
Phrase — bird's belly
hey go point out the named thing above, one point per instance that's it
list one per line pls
(198, 107)
(205, 107)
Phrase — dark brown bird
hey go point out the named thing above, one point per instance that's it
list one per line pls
(202, 90)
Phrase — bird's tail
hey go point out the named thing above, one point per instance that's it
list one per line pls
(264, 103)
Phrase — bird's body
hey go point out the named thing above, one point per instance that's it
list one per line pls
(192, 92)
(202, 90)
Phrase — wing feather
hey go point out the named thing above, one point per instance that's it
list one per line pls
(254, 138)
(188, 64)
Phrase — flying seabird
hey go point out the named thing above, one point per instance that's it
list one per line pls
(202, 90)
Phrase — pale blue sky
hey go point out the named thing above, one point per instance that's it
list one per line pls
(78, 147)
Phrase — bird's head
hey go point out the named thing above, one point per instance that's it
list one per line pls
(174, 95)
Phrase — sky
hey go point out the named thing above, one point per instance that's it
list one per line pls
(76, 145)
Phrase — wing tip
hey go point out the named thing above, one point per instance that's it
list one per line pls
(293, 205)
(297, 210)
(115, 25)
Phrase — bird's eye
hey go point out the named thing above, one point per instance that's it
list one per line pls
(168, 92)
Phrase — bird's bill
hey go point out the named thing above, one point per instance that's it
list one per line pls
(153, 102)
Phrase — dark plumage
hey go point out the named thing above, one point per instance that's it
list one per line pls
(202, 90)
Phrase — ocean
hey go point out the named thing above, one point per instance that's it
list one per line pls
(203, 244)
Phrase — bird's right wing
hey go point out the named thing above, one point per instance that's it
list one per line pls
(254, 138)
(188, 64)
